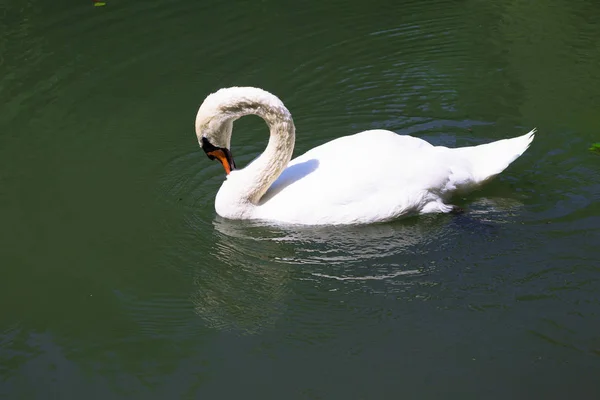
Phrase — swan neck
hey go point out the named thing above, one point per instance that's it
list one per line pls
(241, 193)
(263, 171)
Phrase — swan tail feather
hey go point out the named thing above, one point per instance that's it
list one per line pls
(490, 159)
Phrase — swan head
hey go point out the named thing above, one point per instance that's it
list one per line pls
(218, 112)
(213, 130)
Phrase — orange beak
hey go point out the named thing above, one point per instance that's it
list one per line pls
(220, 155)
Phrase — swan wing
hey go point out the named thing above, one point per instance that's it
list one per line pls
(370, 176)
(379, 175)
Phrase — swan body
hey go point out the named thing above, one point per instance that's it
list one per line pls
(371, 176)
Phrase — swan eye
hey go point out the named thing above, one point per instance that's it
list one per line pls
(207, 145)
(209, 148)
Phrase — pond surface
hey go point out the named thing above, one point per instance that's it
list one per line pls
(118, 280)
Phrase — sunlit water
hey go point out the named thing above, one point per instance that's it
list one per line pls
(119, 281)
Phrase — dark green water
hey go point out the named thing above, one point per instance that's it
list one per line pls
(119, 281)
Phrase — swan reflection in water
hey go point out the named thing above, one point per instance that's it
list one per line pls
(252, 270)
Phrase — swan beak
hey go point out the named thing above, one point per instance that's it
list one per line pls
(224, 157)
(220, 153)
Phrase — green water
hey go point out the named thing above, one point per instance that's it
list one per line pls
(119, 281)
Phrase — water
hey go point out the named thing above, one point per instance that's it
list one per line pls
(119, 281)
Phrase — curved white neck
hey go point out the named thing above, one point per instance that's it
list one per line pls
(249, 184)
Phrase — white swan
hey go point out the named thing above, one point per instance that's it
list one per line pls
(368, 177)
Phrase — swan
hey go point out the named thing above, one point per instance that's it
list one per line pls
(371, 176)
